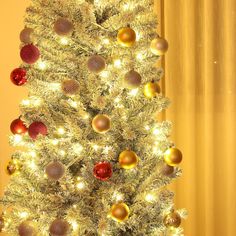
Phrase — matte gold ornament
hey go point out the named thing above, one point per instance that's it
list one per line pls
(132, 80)
(96, 64)
(151, 89)
(126, 37)
(2, 223)
(59, 228)
(101, 123)
(159, 46)
(119, 212)
(63, 27)
(70, 87)
(173, 219)
(55, 170)
(26, 35)
(167, 170)
(173, 156)
(27, 228)
(12, 167)
(128, 159)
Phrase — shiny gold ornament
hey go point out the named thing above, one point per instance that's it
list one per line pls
(1, 223)
(151, 89)
(159, 46)
(132, 80)
(101, 123)
(12, 167)
(27, 228)
(173, 219)
(119, 212)
(128, 159)
(126, 37)
(173, 156)
(70, 87)
(63, 27)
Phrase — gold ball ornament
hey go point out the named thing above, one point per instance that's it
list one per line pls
(173, 156)
(27, 228)
(159, 46)
(101, 123)
(172, 219)
(2, 223)
(59, 228)
(96, 64)
(126, 37)
(132, 80)
(63, 27)
(55, 170)
(70, 87)
(12, 167)
(128, 159)
(119, 212)
(26, 35)
(151, 89)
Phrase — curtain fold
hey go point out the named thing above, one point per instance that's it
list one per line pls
(200, 81)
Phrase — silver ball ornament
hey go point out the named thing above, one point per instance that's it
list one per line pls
(96, 64)
(55, 170)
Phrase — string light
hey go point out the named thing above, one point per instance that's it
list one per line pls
(25, 102)
(117, 63)
(95, 147)
(61, 130)
(106, 41)
(150, 197)
(140, 56)
(147, 127)
(32, 165)
(104, 74)
(77, 148)
(55, 142)
(64, 41)
(73, 103)
(156, 131)
(62, 152)
(133, 92)
(33, 153)
(80, 185)
(75, 225)
(17, 139)
(23, 214)
(42, 65)
(55, 86)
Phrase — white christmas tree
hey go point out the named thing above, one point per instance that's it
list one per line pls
(96, 161)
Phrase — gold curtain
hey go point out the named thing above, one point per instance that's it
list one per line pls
(200, 70)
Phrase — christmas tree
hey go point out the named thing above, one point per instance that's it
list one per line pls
(94, 159)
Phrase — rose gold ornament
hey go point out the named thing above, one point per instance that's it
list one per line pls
(159, 46)
(55, 170)
(70, 87)
(96, 64)
(63, 27)
(132, 80)
(26, 35)
(101, 123)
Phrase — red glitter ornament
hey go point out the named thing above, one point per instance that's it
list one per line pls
(102, 171)
(37, 128)
(18, 76)
(30, 54)
(18, 126)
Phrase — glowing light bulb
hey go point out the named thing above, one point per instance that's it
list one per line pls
(126, 6)
(106, 41)
(117, 63)
(156, 131)
(75, 225)
(17, 138)
(23, 214)
(62, 152)
(73, 103)
(147, 127)
(25, 102)
(117, 100)
(42, 65)
(61, 131)
(80, 185)
(55, 86)
(95, 147)
(140, 56)
(55, 142)
(150, 197)
(104, 74)
(64, 41)
(133, 92)
(77, 148)
(33, 153)
(138, 36)
(32, 165)
(36, 102)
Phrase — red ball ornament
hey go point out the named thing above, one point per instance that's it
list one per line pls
(37, 128)
(102, 171)
(30, 54)
(18, 76)
(18, 126)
